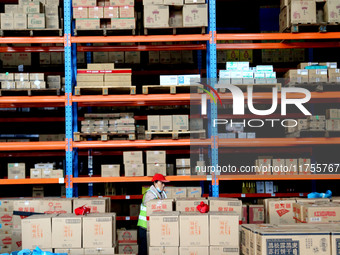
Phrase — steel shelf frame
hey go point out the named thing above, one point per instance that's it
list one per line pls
(208, 42)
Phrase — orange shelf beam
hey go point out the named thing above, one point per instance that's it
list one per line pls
(279, 177)
(32, 101)
(288, 45)
(139, 38)
(135, 179)
(32, 146)
(278, 36)
(142, 48)
(141, 143)
(278, 142)
(29, 181)
(38, 39)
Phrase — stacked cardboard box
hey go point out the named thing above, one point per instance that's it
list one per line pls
(194, 233)
(103, 75)
(333, 120)
(110, 170)
(127, 241)
(117, 123)
(183, 192)
(234, 55)
(31, 15)
(156, 163)
(183, 166)
(279, 166)
(241, 73)
(133, 163)
(171, 57)
(282, 55)
(91, 232)
(96, 205)
(188, 79)
(22, 81)
(10, 59)
(175, 13)
(45, 170)
(114, 14)
(55, 58)
(168, 122)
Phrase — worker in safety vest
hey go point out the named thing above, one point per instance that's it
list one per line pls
(156, 191)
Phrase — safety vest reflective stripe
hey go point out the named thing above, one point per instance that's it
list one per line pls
(143, 208)
(142, 218)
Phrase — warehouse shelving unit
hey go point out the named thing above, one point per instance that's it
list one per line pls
(208, 42)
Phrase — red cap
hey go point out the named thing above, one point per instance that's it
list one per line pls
(159, 177)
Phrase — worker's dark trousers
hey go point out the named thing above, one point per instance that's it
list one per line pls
(142, 242)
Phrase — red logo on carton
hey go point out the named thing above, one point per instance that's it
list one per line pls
(282, 212)
(7, 240)
(6, 218)
(325, 214)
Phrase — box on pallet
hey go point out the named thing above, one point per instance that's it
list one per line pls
(194, 192)
(126, 236)
(225, 205)
(195, 15)
(37, 231)
(16, 171)
(163, 250)
(156, 16)
(128, 249)
(188, 205)
(125, 23)
(110, 170)
(97, 205)
(302, 12)
(155, 168)
(134, 169)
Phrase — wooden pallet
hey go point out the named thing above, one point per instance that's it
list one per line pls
(104, 32)
(104, 90)
(175, 134)
(172, 89)
(174, 30)
(319, 27)
(256, 87)
(77, 136)
(31, 32)
(30, 92)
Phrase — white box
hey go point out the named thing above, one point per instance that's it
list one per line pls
(166, 80)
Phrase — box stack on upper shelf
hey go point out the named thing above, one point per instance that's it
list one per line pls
(234, 55)
(99, 14)
(104, 78)
(175, 13)
(295, 14)
(313, 73)
(31, 15)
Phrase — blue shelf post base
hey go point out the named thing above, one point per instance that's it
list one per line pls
(68, 94)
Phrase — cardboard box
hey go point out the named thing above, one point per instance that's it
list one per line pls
(56, 206)
(96, 12)
(302, 12)
(222, 250)
(111, 12)
(180, 122)
(128, 249)
(159, 205)
(166, 122)
(322, 213)
(52, 21)
(99, 251)
(179, 192)
(194, 229)
(153, 122)
(7, 21)
(183, 162)
(8, 85)
(126, 11)
(116, 57)
(193, 250)
(281, 211)
(256, 214)
(37, 231)
(225, 205)
(278, 165)
(6, 205)
(164, 250)
(6, 76)
(331, 11)
(156, 16)
(99, 230)
(176, 20)
(117, 78)
(292, 165)
(35, 21)
(35, 173)
(188, 205)
(83, 24)
(195, 15)
(22, 85)
(133, 157)
(84, 3)
(194, 192)
(33, 7)
(90, 77)
(121, 3)
(20, 21)
(16, 171)
(71, 251)
(132, 57)
(46, 173)
(224, 229)
(100, 57)
(66, 231)
(36, 77)
(134, 169)
(134, 210)
(164, 228)
(126, 236)
(155, 157)
(155, 168)
(110, 170)
(11, 8)
(59, 173)
(38, 85)
(97, 205)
